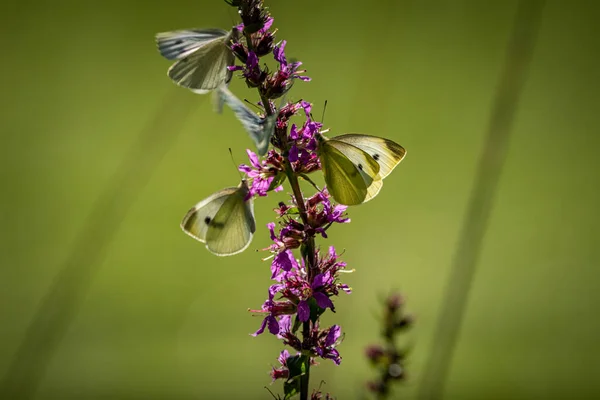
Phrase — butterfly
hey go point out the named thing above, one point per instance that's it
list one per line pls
(202, 57)
(260, 129)
(224, 221)
(355, 165)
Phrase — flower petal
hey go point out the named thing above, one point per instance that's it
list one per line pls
(303, 311)
(323, 300)
(262, 327)
(334, 334)
(253, 159)
(279, 53)
(273, 325)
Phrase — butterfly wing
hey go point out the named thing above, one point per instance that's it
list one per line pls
(176, 45)
(387, 153)
(231, 230)
(224, 221)
(259, 129)
(350, 173)
(204, 69)
(198, 218)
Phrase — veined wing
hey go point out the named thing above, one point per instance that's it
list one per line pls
(231, 230)
(198, 218)
(387, 153)
(176, 45)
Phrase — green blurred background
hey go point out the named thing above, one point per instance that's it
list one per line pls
(158, 317)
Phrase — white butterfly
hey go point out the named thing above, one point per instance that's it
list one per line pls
(355, 165)
(224, 221)
(203, 56)
(260, 129)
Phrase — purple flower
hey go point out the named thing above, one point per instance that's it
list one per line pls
(264, 40)
(266, 175)
(303, 311)
(303, 155)
(323, 301)
(335, 213)
(322, 214)
(273, 309)
(285, 325)
(279, 53)
(241, 53)
(279, 83)
(287, 70)
(333, 335)
(289, 237)
(283, 261)
(283, 357)
(271, 322)
(307, 107)
(253, 14)
(283, 372)
(326, 345)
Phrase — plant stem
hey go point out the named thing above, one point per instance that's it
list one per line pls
(304, 379)
(309, 251)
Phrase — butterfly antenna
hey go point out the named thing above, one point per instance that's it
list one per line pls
(235, 165)
(307, 179)
(254, 105)
(323, 115)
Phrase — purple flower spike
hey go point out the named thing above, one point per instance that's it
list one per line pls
(304, 275)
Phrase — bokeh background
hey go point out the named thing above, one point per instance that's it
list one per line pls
(114, 301)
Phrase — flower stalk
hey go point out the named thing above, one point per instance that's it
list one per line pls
(305, 286)
(388, 358)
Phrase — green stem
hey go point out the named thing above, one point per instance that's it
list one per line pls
(304, 379)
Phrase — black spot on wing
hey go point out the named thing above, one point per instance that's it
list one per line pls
(213, 223)
(360, 167)
(376, 157)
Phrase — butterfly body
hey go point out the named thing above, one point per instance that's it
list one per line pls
(355, 165)
(224, 221)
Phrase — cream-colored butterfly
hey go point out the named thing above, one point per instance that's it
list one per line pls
(203, 56)
(259, 129)
(355, 165)
(224, 221)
